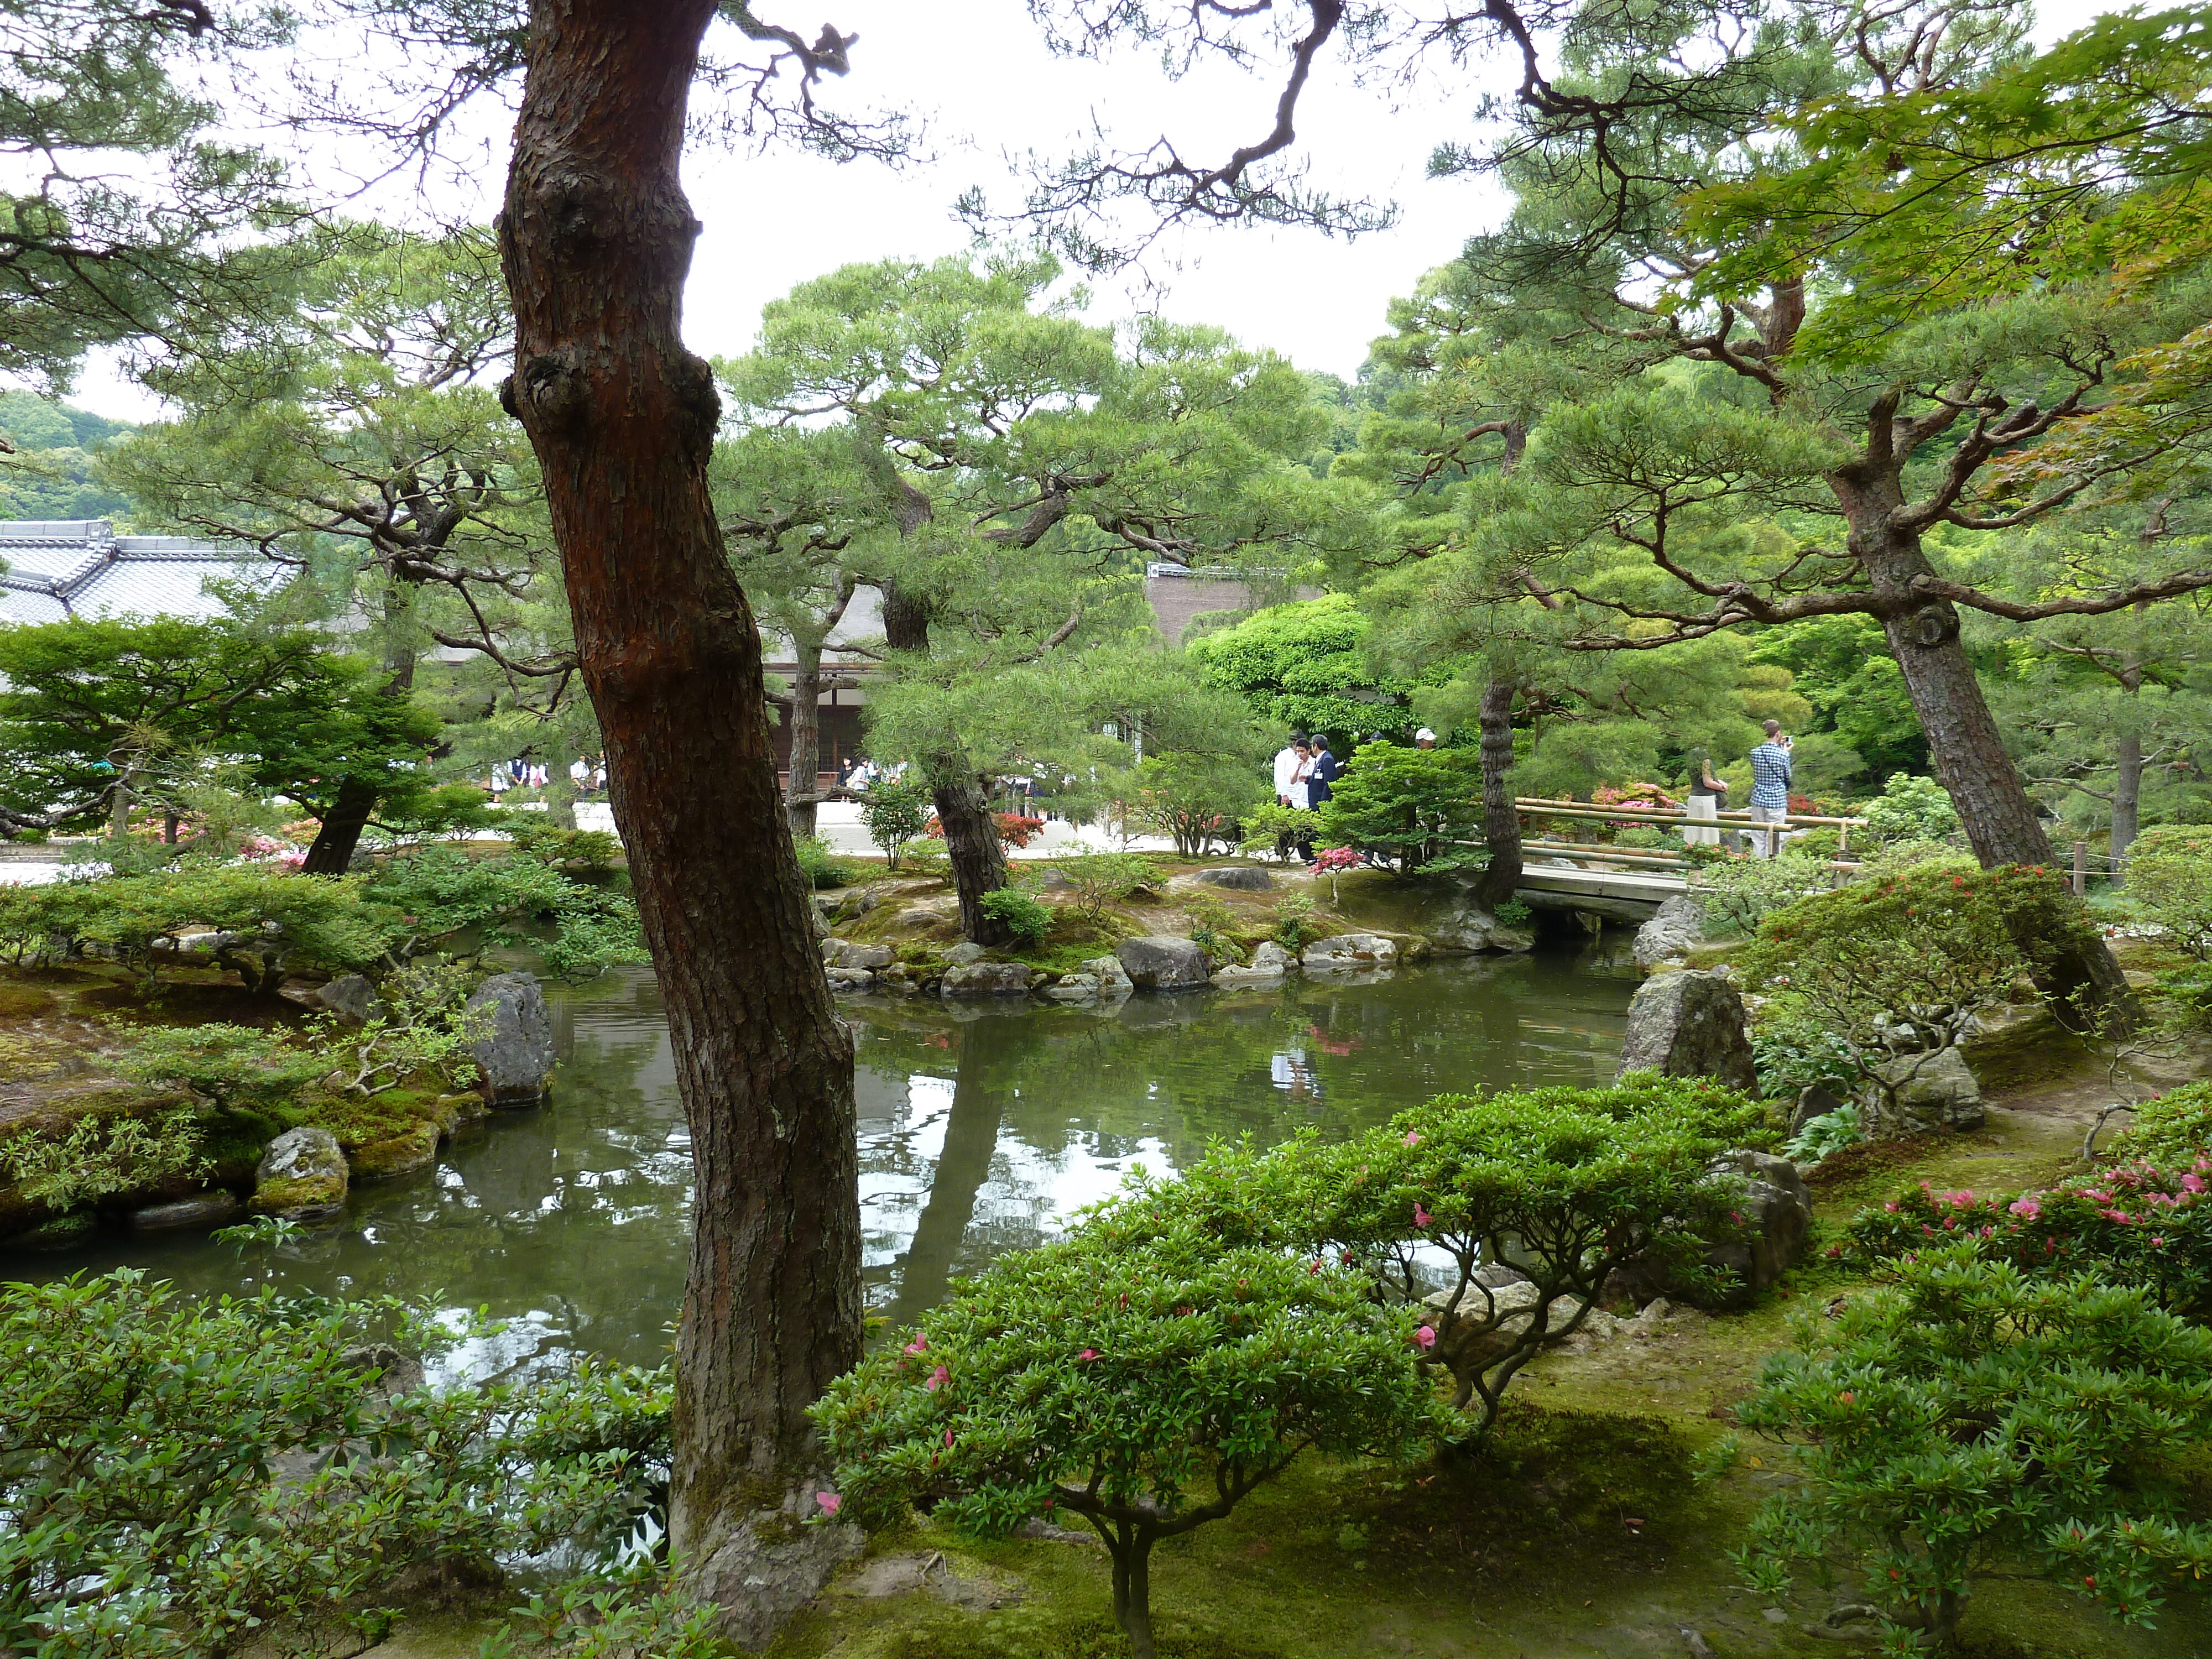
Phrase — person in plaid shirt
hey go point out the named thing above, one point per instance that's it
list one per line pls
(1770, 773)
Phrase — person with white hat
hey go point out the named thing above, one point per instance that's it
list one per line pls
(1425, 738)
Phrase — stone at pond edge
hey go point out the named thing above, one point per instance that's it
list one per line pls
(1239, 877)
(209, 1210)
(397, 1155)
(967, 952)
(1467, 929)
(1676, 927)
(1689, 1025)
(1160, 962)
(1113, 980)
(1351, 951)
(1270, 963)
(1074, 987)
(514, 1042)
(1777, 1207)
(988, 979)
(851, 979)
(302, 1176)
(842, 953)
(351, 998)
(757, 1572)
(1934, 1090)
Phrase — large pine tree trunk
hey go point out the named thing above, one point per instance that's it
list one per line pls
(1969, 752)
(971, 832)
(595, 241)
(332, 852)
(1501, 819)
(805, 784)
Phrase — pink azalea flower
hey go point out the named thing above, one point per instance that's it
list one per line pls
(1088, 1355)
(1847, 1398)
(1426, 1336)
(2192, 1183)
(919, 1345)
(937, 1379)
(2026, 1208)
(1421, 1216)
(1413, 1137)
(2158, 1241)
(830, 1502)
(1891, 1206)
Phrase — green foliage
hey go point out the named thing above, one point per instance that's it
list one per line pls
(424, 1027)
(229, 1068)
(1830, 1132)
(1097, 880)
(1793, 1049)
(151, 1480)
(1294, 927)
(1409, 806)
(587, 852)
(1302, 667)
(1910, 808)
(103, 1157)
(1144, 1376)
(50, 474)
(895, 813)
(2170, 876)
(1903, 965)
(1971, 1420)
(1198, 799)
(1270, 829)
(1739, 893)
(440, 898)
(822, 868)
(1023, 916)
(2175, 1129)
(1841, 666)
(1565, 1184)
(1212, 928)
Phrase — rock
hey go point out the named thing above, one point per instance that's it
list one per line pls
(457, 1112)
(351, 998)
(1160, 962)
(840, 953)
(886, 1576)
(302, 1176)
(2020, 1044)
(755, 1573)
(396, 1372)
(988, 979)
(1467, 929)
(1270, 963)
(964, 953)
(1351, 951)
(1689, 1025)
(209, 1210)
(1269, 958)
(513, 1041)
(61, 1232)
(1777, 1207)
(851, 979)
(860, 901)
(1813, 1101)
(397, 1155)
(1927, 1091)
(929, 914)
(1239, 877)
(1113, 982)
(1074, 987)
(1669, 935)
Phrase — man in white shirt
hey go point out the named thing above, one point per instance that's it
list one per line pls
(1287, 763)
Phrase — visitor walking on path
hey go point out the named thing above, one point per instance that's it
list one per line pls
(1771, 775)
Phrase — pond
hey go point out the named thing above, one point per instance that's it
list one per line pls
(981, 1129)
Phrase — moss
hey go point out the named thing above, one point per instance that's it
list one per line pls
(308, 1193)
(359, 1122)
(399, 1155)
(26, 1002)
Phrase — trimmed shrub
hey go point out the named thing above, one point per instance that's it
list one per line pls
(1410, 808)
(1025, 917)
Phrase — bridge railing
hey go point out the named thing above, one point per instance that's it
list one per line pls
(1663, 861)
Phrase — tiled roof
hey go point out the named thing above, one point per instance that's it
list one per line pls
(61, 567)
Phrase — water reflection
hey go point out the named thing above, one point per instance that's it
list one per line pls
(981, 1129)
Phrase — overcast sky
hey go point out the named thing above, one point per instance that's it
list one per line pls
(986, 85)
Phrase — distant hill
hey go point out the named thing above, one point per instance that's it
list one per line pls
(50, 476)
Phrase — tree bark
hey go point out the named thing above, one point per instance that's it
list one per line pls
(332, 852)
(595, 241)
(1501, 819)
(2127, 797)
(805, 739)
(963, 813)
(1133, 1594)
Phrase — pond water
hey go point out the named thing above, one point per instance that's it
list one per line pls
(981, 1129)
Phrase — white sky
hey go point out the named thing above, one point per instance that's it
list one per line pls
(986, 87)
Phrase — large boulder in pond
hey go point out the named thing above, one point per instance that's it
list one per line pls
(1689, 1025)
(1160, 962)
(1673, 930)
(1113, 981)
(1926, 1093)
(1344, 951)
(988, 979)
(302, 1176)
(511, 1039)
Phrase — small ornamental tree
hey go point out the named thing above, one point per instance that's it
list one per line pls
(1971, 1419)
(1900, 968)
(1562, 1185)
(1136, 1375)
(2170, 877)
(1197, 799)
(1096, 880)
(895, 812)
(1410, 806)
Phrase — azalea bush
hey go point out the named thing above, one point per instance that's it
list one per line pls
(1525, 1202)
(1023, 916)
(103, 1157)
(150, 1466)
(1971, 1419)
(1898, 968)
(2176, 1128)
(226, 1069)
(442, 900)
(1139, 1375)
(1197, 801)
(2135, 1223)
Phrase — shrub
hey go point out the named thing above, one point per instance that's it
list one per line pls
(227, 1068)
(1739, 893)
(2136, 1224)
(1016, 828)
(590, 851)
(1410, 808)
(1911, 808)
(1094, 880)
(102, 1159)
(1294, 927)
(1900, 968)
(2175, 1128)
(1565, 1184)
(1793, 1050)
(1144, 1378)
(1020, 912)
(895, 812)
(1197, 799)
(1270, 829)
(1972, 1419)
(440, 898)
(152, 1440)
(2170, 876)
(1830, 1132)
(425, 1027)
